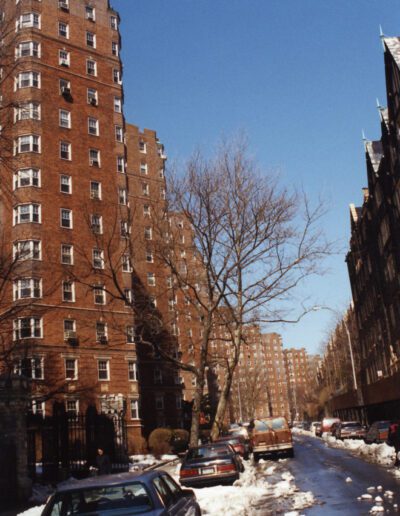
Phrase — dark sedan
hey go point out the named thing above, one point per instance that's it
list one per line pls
(211, 464)
(237, 443)
(153, 493)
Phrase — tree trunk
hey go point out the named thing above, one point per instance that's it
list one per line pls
(195, 426)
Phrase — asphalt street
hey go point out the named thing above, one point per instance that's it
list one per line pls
(323, 470)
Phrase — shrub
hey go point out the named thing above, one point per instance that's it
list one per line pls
(180, 440)
(160, 441)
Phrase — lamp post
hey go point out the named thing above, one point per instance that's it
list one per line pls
(317, 308)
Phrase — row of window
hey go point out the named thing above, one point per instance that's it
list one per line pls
(72, 407)
(32, 48)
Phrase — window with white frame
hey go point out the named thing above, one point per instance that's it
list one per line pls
(96, 223)
(90, 39)
(65, 150)
(145, 189)
(149, 256)
(162, 192)
(122, 196)
(71, 369)
(99, 295)
(66, 218)
(130, 334)
(98, 258)
(161, 173)
(64, 58)
(27, 143)
(114, 48)
(103, 368)
(94, 157)
(114, 22)
(27, 80)
(116, 76)
(119, 134)
(148, 233)
(151, 279)
(128, 296)
(90, 13)
(69, 326)
(132, 370)
(27, 288)
(125, 229)
(24, 213)
(143, 168)
(64, 118)
(93, 126)
(65, 184)
(72, 407)
(67, 254)
(31, 367)
(121, 164)
(146, 209)
(63, 4)
(92, 96)
(142, 146)
(134, 409)
(65, 87)
(28, 328)
(101, 331)
(27, 250)
(68, 291)
(95, 190)
(27, 111)
(63, 29)
(38, 408)
(152, 302)
(27, 49)
(27, 177)
(28, 21)
(91, 67)
(126, 263)
(117, 104)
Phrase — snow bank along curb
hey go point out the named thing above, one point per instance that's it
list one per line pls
(379, 453)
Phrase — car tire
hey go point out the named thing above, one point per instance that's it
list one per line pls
(256, 457)
(290, 453)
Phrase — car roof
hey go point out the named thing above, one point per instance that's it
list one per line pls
(108, 480)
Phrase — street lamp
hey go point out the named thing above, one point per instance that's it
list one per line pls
(316, 309)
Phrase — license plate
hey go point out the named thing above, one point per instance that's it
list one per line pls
(207, 471)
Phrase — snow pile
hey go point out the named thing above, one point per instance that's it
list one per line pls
(34, 511)
(300, 431)
(138, 462)
(378, 453)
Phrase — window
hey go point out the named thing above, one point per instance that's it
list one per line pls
(99, 294)
(134, 406)
(114, 48)
(161, 173)
(162, 192)
(93, 126)
(95, 190)
(67, 254)
(178, 401)
(122, 196)
(27, 177)
(126, 263)
(90, 13)
(66, 218)
(130, 334)
(27, 288)
(27, 80)
(65, 118)
(151, 279)
(103, 367)
(125, 229)
(157, 375)
(101, 331)
(94, 157)
(71, 369)
(63, 29)
(69, 329)
(146, 209)
(90, 39)
(91, 67)
(128, 296)
(143, 168)
(145, 189)
(28, 328)
(117, 104)
(63, 4)
(119, 134)
(97, 224)
(24, 213)
(114, 22)
(63, 58)
(72, 406)
(28, 250)
(149, 256)
(132, 371)
(121, 164)
(65, 87)
(98, 258)
(92, 96)
(27, 143)
(116, 76)
(65, 150)
(32, 367)
(148, 233)
(142, 146)
(160, 402)
(28, 20)
(27, 49)
(152, 302)
(27, 111)
(65, 184)
(38, 408)
(68, 291)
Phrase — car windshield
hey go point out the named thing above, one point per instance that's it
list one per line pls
(383, 425)
(125, 499)
(352, 425)
(263, 425)
(209, 451)
(328, 421)
(230, 440)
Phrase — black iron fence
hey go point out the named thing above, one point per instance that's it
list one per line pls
(66, 444)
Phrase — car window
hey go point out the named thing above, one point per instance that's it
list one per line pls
(173, 486)
(107, 500)
(163, 491)
(275, 424)
(208, 451)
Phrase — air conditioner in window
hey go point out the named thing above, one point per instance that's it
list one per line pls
(64, 62)
(65, 91)
(103, 339)
(93, 101)
(94, 163)
(94, 195)
(89, 17)
(63, 5)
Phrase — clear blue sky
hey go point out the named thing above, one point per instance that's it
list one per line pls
(301, 78)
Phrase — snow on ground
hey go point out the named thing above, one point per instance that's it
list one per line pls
(142, 461)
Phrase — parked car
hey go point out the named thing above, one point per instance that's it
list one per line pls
(378, 432)
(327, 423)
(348, 430)
(211, 464)
(314, 425)
(237, 443)
(271, 436)
(153, 493)
(242, 432)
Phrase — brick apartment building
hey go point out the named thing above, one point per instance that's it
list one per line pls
(73, 207)
(296, 364)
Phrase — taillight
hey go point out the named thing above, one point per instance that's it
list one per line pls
(223, 468)
(189, 472)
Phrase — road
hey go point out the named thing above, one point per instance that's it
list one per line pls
(323, 470)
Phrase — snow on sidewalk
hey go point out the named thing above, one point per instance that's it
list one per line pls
(382, 454)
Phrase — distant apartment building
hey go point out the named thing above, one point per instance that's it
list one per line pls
(296, 364)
